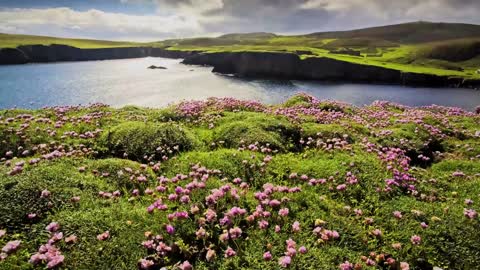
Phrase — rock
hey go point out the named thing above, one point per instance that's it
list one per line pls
(9, 56)
(289, 66)
(156, 67)
(55, 52)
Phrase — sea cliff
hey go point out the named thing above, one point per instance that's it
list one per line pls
(245, 64)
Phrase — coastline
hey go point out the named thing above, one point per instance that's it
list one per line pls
(243, 64)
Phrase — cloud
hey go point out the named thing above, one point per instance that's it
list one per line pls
(187, 18)
(96, 23)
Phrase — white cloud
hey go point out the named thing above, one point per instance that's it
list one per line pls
(91, 22)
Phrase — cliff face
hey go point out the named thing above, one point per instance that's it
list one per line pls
(246, 64)
(290, 66)
(57, 53)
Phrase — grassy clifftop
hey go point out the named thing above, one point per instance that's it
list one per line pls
(445, 49)
(229, 184)
(13, 41)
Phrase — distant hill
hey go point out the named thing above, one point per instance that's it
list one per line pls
(415, 32)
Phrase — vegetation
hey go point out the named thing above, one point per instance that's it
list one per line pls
(13, 41)
(445, 49)
(229, 184)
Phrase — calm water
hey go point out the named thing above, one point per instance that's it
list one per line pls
(122, 82)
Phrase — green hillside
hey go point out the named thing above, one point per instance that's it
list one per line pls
(12, 41)
(451, 49)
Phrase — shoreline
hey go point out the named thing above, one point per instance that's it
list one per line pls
(270, 65)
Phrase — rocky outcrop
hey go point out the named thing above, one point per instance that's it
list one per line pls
(9, 56)
(57, 53)
(291, 66)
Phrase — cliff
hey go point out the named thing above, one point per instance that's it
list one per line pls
(291, 66)
(57, 53)
(245, 64)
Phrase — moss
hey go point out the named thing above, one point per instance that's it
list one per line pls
(20, 194)
(137, 140)
(245, 128)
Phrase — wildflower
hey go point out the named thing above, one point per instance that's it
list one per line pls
(283, 212)
(53, 227)
(71, 239)
(397, 214)
(263, 224)
(296, 226)
(31, 216)
(397, 246)
(404, 266)
(45, 193)
(424, 225)
(230, 252)
(277, 228)
(2, 233)
(145, 264)
(377, 233)
(170, 229)
(267, 256)
(211, 254)
(185, 266)
(11, 246)
(302, 250)
(468, 201)
(341, 187)
(416, 239)
(285, 261)
(103, 236)
(470, 213)
(346, 266)
(55, 261)
(235, 233)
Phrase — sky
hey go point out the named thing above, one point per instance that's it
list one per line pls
(153, 20)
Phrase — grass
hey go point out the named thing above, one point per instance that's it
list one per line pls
(431, 48)
(328, 163)
(13, 41)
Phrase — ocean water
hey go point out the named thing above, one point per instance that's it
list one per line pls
(129, 82)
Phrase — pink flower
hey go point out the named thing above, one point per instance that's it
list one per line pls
(185, 266)
(397, 214)
(45, 193)
(170, 229)
(416, 239)
(397, 245)
(2, 233)
(55, 261)
(211, 254)
(32, 216)
(267, 256)
(53, 227)
(11, 246)
(341, 187)
(296, 226)
(302, 250)
(71, 239)
(235, 233)
(346, 266)
(263, 224)
(377, 232)
(145, 264)
(424, 225)
(283, 212)
(230, 252)
(470, 213)
(285, 261)
(103, 236)
(404, 266)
